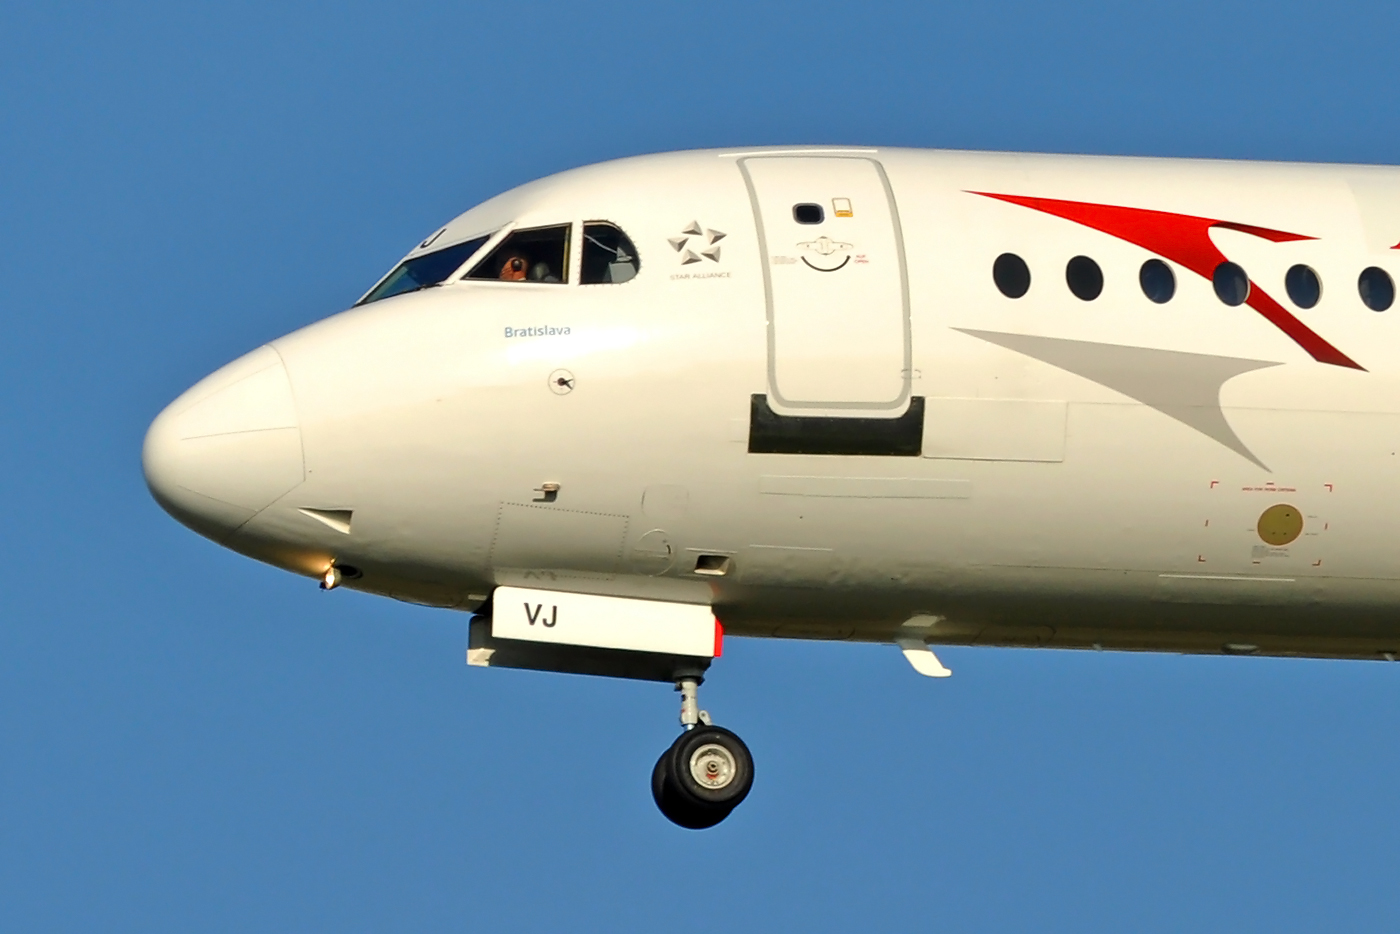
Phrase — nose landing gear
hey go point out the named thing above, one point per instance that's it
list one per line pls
(707, 771)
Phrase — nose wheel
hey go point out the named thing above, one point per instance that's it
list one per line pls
(707, 771)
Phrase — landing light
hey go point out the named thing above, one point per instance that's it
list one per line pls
(337, 573)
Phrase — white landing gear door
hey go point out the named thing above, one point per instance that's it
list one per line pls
(838, 296)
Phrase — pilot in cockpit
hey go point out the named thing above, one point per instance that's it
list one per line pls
(532, 254)
(513, 267)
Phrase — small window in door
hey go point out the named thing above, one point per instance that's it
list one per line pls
(538, 254)
(808, 213)
(608, 254)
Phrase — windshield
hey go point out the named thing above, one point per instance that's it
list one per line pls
(423, 271)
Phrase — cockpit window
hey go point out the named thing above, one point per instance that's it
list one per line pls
(423, 271)
(540, 254)
(608, 254)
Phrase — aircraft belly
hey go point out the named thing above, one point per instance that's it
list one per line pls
(1105, 610)
(1076, 523)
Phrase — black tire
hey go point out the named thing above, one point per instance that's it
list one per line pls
(701, 742)
(674, 807)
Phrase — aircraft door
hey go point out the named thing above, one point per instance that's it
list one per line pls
(837, 292)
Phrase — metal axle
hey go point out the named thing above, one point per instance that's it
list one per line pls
(691, 714)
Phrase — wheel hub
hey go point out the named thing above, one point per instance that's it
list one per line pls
(712, 766)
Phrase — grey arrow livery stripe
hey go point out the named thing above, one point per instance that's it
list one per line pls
(1183, 386)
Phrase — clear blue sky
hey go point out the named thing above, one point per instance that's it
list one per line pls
(193, 742)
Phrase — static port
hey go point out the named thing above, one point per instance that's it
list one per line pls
(712, 565)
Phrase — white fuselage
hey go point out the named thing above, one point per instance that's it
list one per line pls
(840, 428)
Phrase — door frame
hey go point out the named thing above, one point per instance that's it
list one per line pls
(900, 402)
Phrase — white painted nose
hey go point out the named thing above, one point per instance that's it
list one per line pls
(228, 448)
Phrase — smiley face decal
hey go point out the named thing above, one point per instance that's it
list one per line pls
(825, 254)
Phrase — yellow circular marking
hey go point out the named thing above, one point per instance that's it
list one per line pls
(1280, 525)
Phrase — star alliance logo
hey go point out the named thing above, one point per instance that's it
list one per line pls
(693, 238)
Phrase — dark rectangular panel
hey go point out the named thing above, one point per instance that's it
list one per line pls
(578, 659)
(771, 433)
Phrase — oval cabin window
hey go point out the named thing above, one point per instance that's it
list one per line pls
(1084, 278)
(1231, 284)
(1157, 280)
(1012, 275)
(1303, 285)
(1377, 288)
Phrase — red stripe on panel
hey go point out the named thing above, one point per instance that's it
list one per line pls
(719, 638)
(1185, 239)
(1277, 236)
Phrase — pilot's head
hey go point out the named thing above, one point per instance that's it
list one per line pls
(514, 268)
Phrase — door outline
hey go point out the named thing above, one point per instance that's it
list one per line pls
(901, 400)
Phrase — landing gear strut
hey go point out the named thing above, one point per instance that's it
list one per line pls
(706, 772)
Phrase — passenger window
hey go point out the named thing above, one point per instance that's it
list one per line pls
(808, 213)
(1376, 287)
(539, 254)
(1231, 284)
(608, 255)
(1157, 280)
(1012, 275)
(423, 271)
(1303, 286)
(1084, 278)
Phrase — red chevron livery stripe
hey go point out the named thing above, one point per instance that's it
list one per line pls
(1185, 239)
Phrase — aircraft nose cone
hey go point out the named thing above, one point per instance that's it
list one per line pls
(227, 448)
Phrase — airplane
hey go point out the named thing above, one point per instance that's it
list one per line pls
(910, 397)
